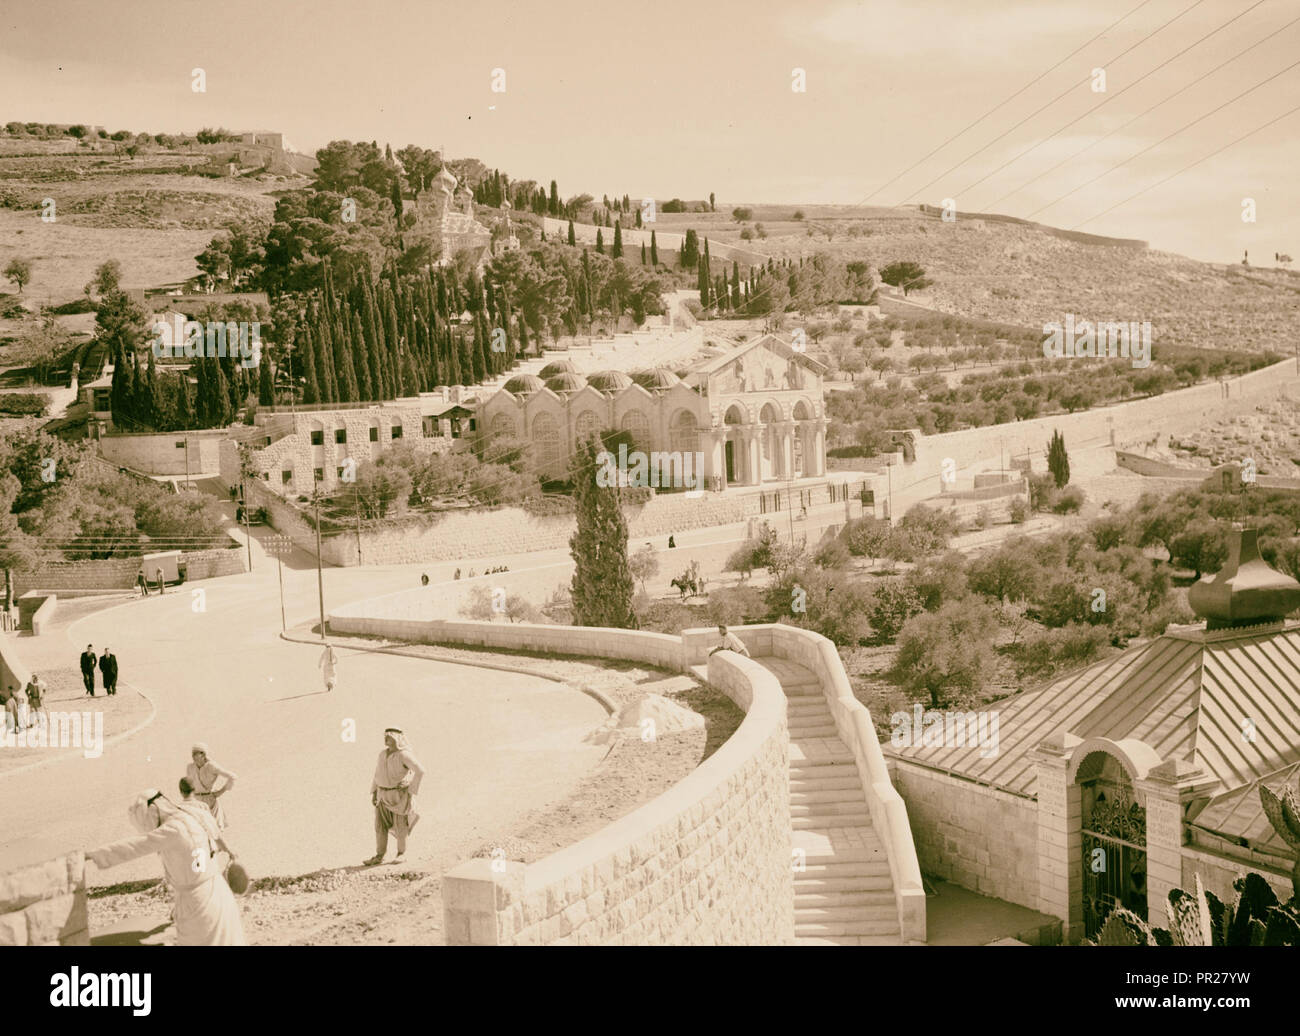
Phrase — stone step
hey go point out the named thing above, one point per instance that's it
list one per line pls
(846, 898)
(848, 940)
(853, 783)
(804, 704)
(825, 823)
(816, 769)
(871, 852)
(803, 797)
(854, 807)
(812, 730)
(802, 759)
(886, 912)
(832, 928)
(848, 883)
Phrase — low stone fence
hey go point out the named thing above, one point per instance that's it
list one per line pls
(120, 573)
(705, 863)
(45, 904)
(36, 611)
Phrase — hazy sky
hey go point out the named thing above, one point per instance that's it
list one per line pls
(680, 99)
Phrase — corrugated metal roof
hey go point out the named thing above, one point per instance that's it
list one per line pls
(1239, 813)
(1184, 695)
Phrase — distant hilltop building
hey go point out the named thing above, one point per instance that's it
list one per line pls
(258, 149)
(444, 217)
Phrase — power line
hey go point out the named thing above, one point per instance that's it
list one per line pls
(1110, 97)
(1192, 165)
(1151, 147)
(1068, 90)
(1002, 104)
(1199, 79)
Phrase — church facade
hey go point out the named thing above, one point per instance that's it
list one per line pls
(444, 219)
(752, 415)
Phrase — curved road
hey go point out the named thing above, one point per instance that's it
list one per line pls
(495, 745)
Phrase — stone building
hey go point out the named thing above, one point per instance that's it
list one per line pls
(1121, 781)
(297, 450)
(754, 413)
(444, 219)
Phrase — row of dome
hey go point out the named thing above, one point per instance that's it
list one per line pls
(563, 376)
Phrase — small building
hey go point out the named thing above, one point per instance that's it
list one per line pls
(1118, 782)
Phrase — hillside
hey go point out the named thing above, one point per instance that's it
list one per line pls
(1020, 274)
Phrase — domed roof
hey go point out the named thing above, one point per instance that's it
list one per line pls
(609, 380)
(523, 384)
(656, 379)
(1246, 590)
(558, 367)
(445, 177)
(566, 382)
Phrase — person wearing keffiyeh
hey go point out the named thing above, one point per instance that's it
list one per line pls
(396, 783)
(186, 838)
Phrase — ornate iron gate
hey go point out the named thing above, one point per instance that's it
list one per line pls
(1114, 862)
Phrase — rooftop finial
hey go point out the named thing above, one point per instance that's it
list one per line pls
(1247, 590)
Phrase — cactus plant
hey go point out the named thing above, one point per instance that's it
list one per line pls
(1200, 918)
(1284, 814)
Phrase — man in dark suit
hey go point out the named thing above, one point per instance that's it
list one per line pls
(88, 669)
(108, 668)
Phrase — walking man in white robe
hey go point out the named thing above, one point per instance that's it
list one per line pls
(329, 667)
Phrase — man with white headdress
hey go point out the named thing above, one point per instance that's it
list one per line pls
(397, 781)
(187, 840)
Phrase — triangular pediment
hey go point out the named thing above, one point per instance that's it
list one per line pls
(766, 363)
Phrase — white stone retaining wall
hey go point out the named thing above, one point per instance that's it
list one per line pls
(977, 837)
(165, 453)
(45, 904)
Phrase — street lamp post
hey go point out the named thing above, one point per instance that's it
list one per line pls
(320, 577)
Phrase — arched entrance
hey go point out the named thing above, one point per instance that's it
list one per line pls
(1113, 841)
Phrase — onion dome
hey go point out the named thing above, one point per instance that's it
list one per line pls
(1246, 591)
(656, 379)
(445, 179)
(558, 367)
(524, 384)
(609, 381)
(566, 382)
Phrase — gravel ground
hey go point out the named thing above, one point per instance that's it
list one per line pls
(403, 906)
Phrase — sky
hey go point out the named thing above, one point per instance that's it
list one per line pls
(675, 99)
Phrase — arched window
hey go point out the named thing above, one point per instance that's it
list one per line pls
(638, 426)
(586, 427)
(684, 433)
(503, 427)
(546, 439)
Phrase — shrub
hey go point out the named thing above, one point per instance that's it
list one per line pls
(833, 555)
(893, 602)
(948, 655)
(24, 404)
(734, 606)
(1069, 501)
(81, 305)
(1042, 492)
(1018, 511)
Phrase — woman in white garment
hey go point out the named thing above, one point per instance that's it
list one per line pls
(187, 840)
(203, 775)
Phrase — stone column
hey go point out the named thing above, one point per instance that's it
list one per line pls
(755, 474)
(786, 431)
(474, 898)
(1060, 842)
(1164, 841)
(718, 456)
(819, 446)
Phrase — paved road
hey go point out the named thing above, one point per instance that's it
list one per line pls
(495, 744)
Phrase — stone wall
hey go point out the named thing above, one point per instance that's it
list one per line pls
(165, 453)
(45, 904)
(977, 837)
(120, 573)
(36, 611)
(477, 533)
(705, 863)
(1175, 413)
(13, 673)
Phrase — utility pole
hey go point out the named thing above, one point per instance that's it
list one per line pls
(320, 578)
(357, 494)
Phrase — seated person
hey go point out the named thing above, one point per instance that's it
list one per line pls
(730, 642)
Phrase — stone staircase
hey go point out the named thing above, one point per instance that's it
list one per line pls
(844, 895)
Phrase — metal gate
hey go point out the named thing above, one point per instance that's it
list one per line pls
(1114, 874)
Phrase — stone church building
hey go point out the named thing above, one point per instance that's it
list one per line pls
(754, 414)
(1132, 776)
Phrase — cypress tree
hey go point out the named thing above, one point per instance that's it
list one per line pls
(466, 349)
(642, 253)
(617, 251)
(602, 581)
(183, 407)
(140, 414)
(159, 406)
(307, 359)
(120, 394)
(1058, 460)
(654, 250)
(600, 242)
(523, 336)
(572, 239)
(265, 382)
